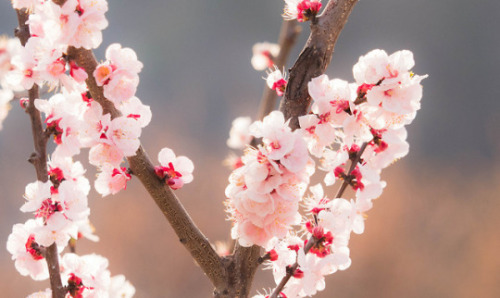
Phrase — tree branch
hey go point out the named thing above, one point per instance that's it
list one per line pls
(187, 231)
(314, 58)
(39, 158)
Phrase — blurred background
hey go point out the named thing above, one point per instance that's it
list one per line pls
(434, 231)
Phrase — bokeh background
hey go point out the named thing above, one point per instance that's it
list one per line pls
(434, 231)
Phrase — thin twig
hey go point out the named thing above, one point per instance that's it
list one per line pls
(39, 159)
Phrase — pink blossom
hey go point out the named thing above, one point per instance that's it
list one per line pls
(88, 273)
(104, 153)
(120, 287)
(176, 171)
(23, 246)
(111, 180)
(276, 81)
(35, 194)
(278, 138)
(302, 10)
(264, 54)
(239, 135)
(135, 109)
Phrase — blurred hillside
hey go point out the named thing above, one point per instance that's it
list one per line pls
(433, 233)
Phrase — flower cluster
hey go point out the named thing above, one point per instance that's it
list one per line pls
(355, 130)
(264, 193)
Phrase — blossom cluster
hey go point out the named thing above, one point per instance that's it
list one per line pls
(264, 192)
(355, 130)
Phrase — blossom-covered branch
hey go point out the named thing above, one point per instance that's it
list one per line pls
(312, 241)
(39, 158)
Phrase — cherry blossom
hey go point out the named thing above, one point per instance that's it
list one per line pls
(239, 135)
(276, 81)
(176, 171)
(264, 54)
(302, 10)
(119, 74)
(111, 180)
(25, 250)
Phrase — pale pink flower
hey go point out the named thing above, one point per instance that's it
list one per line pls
(36, 194)
(264, 54)
(121, 87)
(73, 199)
(249, 234)
(377, 65)
(276, 135)
(102, 74)
(77, 73)
(276, 81)
(176, 171)
(9, 47)
(86, 230)
(120, 287)
(88, 273)
(111, 180)
(58, 229)
(302, 10)
(331, 160)
(135, 109)
(239, 135)
(104, 153)
(82, 22)
(124, 133)
(123, 59)
(23, 246)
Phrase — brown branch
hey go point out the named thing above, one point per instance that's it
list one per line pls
(39, 158)
(312, 240)
(187, 231)
(314, 58)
